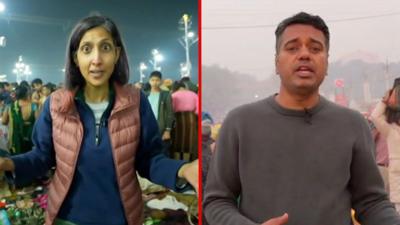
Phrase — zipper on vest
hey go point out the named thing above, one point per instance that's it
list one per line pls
(98, 130)
(98, 127)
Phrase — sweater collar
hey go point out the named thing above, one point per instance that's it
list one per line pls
(292, 112)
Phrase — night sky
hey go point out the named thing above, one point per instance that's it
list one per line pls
(39, 30)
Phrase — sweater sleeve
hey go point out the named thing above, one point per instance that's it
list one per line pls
(379, 119)
(223, 181)
(368, 196)
(41, 158)
(150, 162)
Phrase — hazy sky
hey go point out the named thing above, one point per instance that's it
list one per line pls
(371, 27)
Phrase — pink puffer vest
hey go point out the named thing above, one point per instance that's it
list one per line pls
(124, 131)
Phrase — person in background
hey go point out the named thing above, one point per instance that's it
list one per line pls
(189, 85)
(5, 90)
(185, 105)
(45, 92)
(161, 105)
(36, 86)
(386, 118)
(20, 116)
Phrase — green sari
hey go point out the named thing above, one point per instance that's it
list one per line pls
(20, 130)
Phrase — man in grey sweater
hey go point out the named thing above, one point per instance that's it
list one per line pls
(295, 158)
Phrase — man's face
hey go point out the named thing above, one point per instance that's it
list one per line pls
(37, 86)
(155, 82)
(302, 59)
(8, 87)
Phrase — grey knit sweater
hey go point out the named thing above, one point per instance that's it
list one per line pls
(315, 165)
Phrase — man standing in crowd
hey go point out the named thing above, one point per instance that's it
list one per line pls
(161, 104)
(296, 158)
(37, 84)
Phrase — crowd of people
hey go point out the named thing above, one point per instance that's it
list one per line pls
(20, 105)
(174, 104)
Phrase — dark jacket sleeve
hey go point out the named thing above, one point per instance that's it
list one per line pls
(369, 199)
(169, 120)
(151, 163)
(41, 158)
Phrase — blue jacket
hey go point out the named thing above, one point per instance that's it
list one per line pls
(94, 195)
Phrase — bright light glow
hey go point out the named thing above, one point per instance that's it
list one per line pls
(158, 58)
(27, 70)
(185, 17)
(3, 78)
(2, 7)
(21, 68)
(2, 41)
(143, 66)
(184, 69)
(154, 52)
(190, 34)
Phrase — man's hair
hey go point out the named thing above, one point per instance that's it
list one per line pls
(185, 79)
(155, 74)
(302, 18)
(37, 81)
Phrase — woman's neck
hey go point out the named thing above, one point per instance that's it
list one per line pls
(96, 94)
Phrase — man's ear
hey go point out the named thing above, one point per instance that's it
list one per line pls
(327, 64)
(276, 64)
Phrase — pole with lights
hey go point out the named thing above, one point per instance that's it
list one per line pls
(2, 38)
(186, 41)
(142, 68)
(2, 7)
(21, 70)
(157, 57)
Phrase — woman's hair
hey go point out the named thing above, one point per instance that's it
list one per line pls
(177, 85)
(73, 76)
(393, 113)
(21, 92)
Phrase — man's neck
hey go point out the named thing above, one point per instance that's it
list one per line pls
(96, 94)
(297, 102)
(155, 89)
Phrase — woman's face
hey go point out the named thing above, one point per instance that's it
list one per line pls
(96, 56)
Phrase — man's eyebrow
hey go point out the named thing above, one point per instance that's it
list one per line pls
(291, 41)
(316, 41)
(294, 40)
